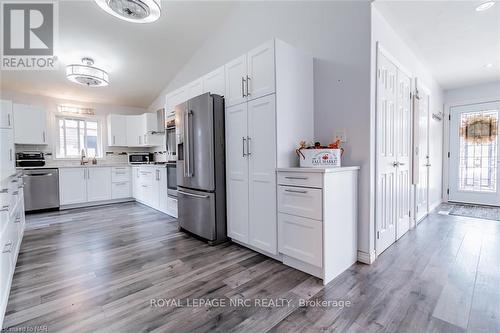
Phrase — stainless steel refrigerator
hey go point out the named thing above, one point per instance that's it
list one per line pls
(201, 185)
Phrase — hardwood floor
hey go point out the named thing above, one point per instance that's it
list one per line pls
(109, 269)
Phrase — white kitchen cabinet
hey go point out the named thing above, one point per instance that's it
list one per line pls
(6, 117)
(7, 158)
(317, 222)
(265, 121)
(172, 207)
(11, 233)
(162, 190)
(261, 152)
(175, 98)
(121, 182)
(30, 124)
(236, 72)
(135, 182)
(237, 172)
(72, 185)
(261, 73)
(194, 89)
(117, 130)
(134, 128)
(214, 82)
(98, 184)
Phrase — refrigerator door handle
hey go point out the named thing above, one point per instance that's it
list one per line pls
(192, 195)
(187, 142)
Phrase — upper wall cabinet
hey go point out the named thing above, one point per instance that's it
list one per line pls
(214, 82)
(139, 128)
(117, 130)
(175, 98)
(194, 89)
(30, 124)
(5, 114)
(251, 76)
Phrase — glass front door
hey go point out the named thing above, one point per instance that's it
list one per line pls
(475, 154)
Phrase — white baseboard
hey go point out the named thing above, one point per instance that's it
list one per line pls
(94, 203)
(434, 206)
(366, 258)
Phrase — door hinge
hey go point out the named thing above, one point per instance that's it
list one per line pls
(448, 154)
(409, 213)
(447, 191)
(449, 116)
(378, 234)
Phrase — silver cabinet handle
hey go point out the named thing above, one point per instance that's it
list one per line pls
(140, 140)
(243, 139)
(5, 208)
(248, 83)
(296, 191)
(9, 246)
(248, 146)
(299, 178)
(17, 220)
(10, 154)
(114, 139)
(38, 175)
(427, 165)
(8, 118)
(395, 164)
(43, 136)
(400, 163)
(192, 195)
(243, 87)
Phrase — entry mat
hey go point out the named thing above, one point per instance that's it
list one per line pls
(480, 212)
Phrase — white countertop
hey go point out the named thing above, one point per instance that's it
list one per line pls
(56, 166)
(319, 170)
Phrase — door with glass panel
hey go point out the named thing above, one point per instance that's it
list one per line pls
(475, 154)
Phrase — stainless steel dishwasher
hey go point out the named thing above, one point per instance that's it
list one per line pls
(41, 189)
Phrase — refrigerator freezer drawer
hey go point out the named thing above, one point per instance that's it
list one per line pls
(196, 212)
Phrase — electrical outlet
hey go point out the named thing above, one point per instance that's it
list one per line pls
(341, 135)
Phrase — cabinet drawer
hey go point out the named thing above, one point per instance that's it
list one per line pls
(301, 201)
(120, 190)
(300, 238)
(301, 179)
(120, 174)
(172, 207)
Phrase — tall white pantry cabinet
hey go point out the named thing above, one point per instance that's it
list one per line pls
(269, 110)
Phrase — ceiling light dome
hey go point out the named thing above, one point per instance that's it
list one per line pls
(485, 6)
(137, 11)
(87, 75)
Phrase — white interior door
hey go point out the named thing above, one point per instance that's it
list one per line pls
(475, 154)
(386, 153)
(422, 156)
(403, 149)
(237, 172)
(393, 111)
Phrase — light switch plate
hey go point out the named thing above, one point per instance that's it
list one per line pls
(341, 135)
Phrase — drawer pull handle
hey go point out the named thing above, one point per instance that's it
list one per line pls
(295, 191)
(300, 178)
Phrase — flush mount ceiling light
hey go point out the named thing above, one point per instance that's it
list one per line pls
(485, 6)
(137, 11)
(490, 65)
(87, 75)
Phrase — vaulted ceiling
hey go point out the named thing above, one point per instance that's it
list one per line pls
(454, 40)
(140, 58)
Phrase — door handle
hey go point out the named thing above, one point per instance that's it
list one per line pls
(395, 164)
(400, 163)
(192, 195)
(248, 146)
(243, 139)
(243, 87)
(427, 165)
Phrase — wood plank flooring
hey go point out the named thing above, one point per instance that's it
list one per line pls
(100, 269)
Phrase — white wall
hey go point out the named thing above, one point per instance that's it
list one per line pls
(337, 35)
(386, 35)
(477, 93)
(51, 104)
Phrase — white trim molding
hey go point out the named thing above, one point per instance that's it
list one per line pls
(366, 258)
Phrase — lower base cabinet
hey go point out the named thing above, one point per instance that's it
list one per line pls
(149, 184)
(317, 219)
(11, 235)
